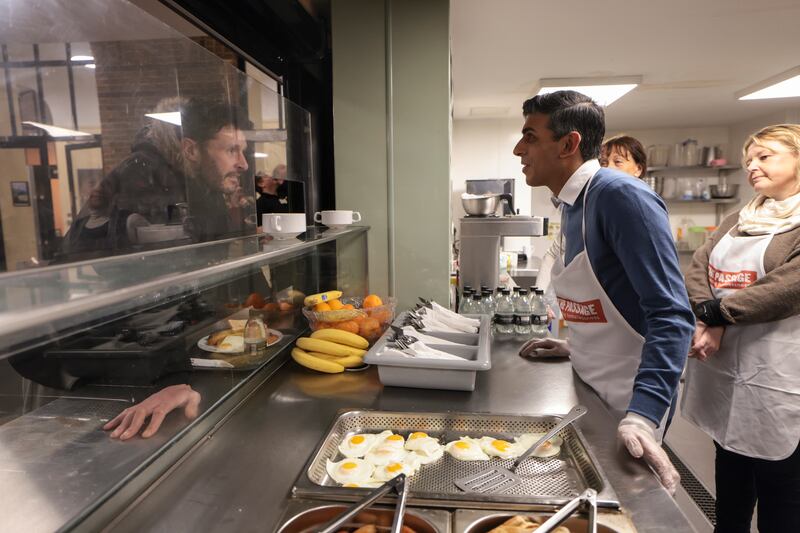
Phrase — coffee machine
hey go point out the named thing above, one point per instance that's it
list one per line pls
(482, 230)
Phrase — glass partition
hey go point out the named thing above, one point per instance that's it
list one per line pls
(120, 135)
(136, 167)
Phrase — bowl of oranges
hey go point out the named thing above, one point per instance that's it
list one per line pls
(369, 316)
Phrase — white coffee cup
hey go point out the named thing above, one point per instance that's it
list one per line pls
(338, 218)
(283, 224)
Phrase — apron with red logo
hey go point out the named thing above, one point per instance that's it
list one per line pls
(604, 349)
(747, 395)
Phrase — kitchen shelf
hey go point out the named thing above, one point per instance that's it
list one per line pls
(711, 201)
(693, 167)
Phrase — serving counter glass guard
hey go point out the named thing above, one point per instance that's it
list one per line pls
(84, 342)
(136, 165)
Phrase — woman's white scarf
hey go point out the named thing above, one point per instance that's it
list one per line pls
(763, 215)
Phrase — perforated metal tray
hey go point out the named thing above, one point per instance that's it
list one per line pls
(546, 482)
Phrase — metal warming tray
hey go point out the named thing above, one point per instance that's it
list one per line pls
(304, 515)
(547, 483)
(479, 521)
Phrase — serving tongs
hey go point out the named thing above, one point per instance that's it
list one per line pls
(398, 483)
(499, 479)
(587, 500)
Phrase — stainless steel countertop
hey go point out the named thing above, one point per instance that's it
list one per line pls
(240, 478)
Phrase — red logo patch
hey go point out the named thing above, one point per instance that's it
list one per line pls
(590, 311)
(720, 279)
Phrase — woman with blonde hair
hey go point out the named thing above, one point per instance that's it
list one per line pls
(743, 378)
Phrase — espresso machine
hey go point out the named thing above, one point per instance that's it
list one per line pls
(482, 232)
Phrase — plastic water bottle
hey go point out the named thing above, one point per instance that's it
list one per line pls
(522, 315)
(504, 315)
(515, 295)
(466, 301)
(538, 315)
(489, 303)
(477, 304)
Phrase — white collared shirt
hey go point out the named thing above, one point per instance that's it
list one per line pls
(569, 193)
(574, 185)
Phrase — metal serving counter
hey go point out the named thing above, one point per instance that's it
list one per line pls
(240, 477)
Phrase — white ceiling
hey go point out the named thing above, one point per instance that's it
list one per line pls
(693, 55)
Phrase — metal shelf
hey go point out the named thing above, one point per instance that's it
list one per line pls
(710, 202)
(693, 167)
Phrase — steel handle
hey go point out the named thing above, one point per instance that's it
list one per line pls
(372, 497)
(400, 508)
(574, 414)
(589, 497)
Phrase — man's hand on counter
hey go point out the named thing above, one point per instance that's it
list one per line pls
(545, 348)
(638, 435)
(157, 407)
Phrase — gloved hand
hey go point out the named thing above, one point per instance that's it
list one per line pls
(545, 348)
(638, 435)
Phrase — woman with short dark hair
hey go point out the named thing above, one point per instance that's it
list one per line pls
(624, 153)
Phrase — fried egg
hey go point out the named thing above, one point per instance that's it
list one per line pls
(550, 448)
(349, 470)
(466, 449)
(358, 445)
(383, 454)
(232, 343)
(425, 447)
(388, 471)
(393, 440)
(500, 448)
(363, 484)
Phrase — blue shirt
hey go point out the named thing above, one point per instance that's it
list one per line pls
(630, 247)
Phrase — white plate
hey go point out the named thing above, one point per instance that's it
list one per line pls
(203, 343)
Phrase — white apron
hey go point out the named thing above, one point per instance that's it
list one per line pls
(604, 349)
(747, 395)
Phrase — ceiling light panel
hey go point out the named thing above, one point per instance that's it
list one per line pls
(604, 91)
(784, 85)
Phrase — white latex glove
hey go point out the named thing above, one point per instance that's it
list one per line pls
(545, 348)
(638, 435)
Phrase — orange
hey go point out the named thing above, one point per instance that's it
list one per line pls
(322, 307)
(348, 306)
(382, 315)
(347, 325)
(335, 304)
(369, 327)
(372, 301)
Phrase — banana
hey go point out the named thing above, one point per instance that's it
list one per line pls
(340, 315)
(341, 337)
(330, 348)
(315, 363)
(348, 362)
(314, 299)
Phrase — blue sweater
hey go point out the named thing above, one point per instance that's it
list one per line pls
(630, 248)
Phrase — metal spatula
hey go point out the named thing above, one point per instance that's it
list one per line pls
(499, 479)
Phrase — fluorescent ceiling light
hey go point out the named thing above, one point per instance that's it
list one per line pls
(81, 58)
(56, 132)
(173, 117)
(91, 66)
(783, 85)
(604, 91)
(260, 155)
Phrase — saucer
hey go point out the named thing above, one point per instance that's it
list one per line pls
(283, 236)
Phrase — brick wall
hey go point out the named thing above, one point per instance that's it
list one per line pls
(133, 76)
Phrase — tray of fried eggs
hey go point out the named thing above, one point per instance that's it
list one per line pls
(372, 459)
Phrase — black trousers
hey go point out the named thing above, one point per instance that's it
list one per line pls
(742, 481)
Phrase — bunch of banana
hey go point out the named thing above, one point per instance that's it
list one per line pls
(314, 299)
(330, 350)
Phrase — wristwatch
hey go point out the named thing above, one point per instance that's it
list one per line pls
(710, 313)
